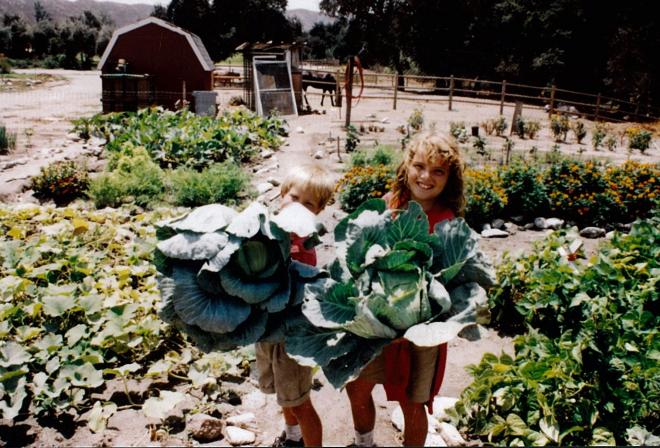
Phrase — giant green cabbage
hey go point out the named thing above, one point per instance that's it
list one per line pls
(226, 278)
(391, 279)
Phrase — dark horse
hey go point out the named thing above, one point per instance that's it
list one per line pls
(325, 82)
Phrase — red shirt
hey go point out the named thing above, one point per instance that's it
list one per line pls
(299, 253)
(397, 354)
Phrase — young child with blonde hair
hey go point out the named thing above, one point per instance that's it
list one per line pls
(432, 175)
(312, 186)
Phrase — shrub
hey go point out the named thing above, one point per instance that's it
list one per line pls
(579, 131)
(488, 126)
(598, 135)
(532, 127)
(223, 183)
(559, 125)
(501, 126)
(381, 155)
(363, 182)
(61, 181)
(352, 138)
(7, 140)
(5, 66)
(638, 138)
(458, 131)
(520, 127)
(479, 144)
(525, 191)
(416, 120)
(610, 143)
(485, 197)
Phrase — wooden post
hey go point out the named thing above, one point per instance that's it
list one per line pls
(502, 97)
(349, 92)
(451, 90)
(396, 89)
(338, 151)
(596, 115)
(552, 99)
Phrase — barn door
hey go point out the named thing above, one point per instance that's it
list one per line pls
(274, 89)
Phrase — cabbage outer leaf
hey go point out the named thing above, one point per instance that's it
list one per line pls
(193, 246)
(252, 292)
(296, 218)
(204, 219)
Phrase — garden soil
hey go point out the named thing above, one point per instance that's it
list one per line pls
(41, 119)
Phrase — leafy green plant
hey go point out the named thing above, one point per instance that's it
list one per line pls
(525, 191)
(638, 138)
(532, 127)
(7, 140)
(598, 135)
(501, 126)
(364, 182)
(352, 138)
(559, 125)
(488, 126)
(381, 155)
(520, 126)
(579, 130)
(610, 143)
(416, 120)
(479, 144)
(485, 197)
(61, 182)
(223, 183)
(392, 279)
(458, 131)
(227, 279)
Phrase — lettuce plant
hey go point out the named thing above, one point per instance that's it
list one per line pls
(227, 279)
(391, 279)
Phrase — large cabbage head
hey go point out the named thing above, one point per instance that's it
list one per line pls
(391, 279)
(226, 277)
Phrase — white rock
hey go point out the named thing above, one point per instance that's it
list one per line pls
(263, 170)
(440, 406)
(397, 418)
(486, 227)
(266, 153)
(254, 400)
(273, 181)
(300, 130)
(450, 435)
(494, 233)
(592, 232)
(237, 436)
(371, 116)
(510, 228)
(319, 154)
(540, 223)
(241, 420)
(554, 223)
(385, 120)
(434, 440)
(264, 187)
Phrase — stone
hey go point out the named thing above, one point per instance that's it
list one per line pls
(300, 130)
(397, 418)
(441, 405)
(486, 227)
(498, 224)
(385, 120)
(238, 436)
(554, 223)
(242, 420)
(540, 223)
(592, 232)
(319, 155)
(510, 228)
(517, 219)
(434, 440)
(254, 400)
(450, 434)
(494, 233)
(273, 181)
(267, 153)
(263, 187)
(528, 226)
(204, 428)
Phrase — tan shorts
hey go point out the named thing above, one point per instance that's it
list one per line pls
(422, 370)
(278, 374)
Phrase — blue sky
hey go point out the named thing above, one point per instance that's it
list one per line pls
(292, 4)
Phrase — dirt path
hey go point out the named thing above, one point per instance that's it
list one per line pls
(48, 110)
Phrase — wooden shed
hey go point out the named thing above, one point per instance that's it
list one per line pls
(153, 62)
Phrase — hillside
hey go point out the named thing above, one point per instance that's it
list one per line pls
(308, 18)
(120, 13)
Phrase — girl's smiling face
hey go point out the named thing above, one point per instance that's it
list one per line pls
(426, 179)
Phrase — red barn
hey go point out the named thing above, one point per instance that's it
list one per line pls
(153, 62)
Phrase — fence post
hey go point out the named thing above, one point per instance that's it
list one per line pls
(552, 99)
(349, 91)
(451, 90)
(597, 107)
(396, 89)
(502, 97)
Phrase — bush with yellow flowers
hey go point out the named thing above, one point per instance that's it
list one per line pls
(635, 188)
(485, 196)
(638, 138)
(364, 182)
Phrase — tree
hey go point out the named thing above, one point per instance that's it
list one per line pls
(40, 13)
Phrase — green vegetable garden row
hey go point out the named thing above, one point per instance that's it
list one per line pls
(79, 296)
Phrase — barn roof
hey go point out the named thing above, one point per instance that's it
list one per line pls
(195, 42)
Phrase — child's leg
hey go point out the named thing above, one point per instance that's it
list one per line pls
(362, 405)
(415, 423)
(310, 423)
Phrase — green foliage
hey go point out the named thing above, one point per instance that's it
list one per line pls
(391, 279)
(479, 144)
(594, 330)
(559, 125)
(183, 139)
(638, 139)
(579, 130)
(520, 127)
(416, 120)
(352, 138)
(501, 126)
(458, 131)
(5, 66)
(525, 191)
(364, 182)
(532, 127)
(222, 183)
(61, 181)
(598, 135)
(485, 197)
(610, 143)
(7, 140)
(381, 155)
